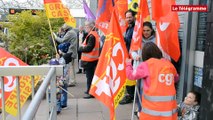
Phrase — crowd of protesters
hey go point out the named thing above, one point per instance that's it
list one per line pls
(156, 76)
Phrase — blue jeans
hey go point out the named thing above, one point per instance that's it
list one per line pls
(58, 106)
(64, 96)
(58, 100)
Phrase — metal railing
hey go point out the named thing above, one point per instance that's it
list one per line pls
(49, 71)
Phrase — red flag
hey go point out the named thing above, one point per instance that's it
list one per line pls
(104, 14)
(121, 7)
(7, 59)
(109, 79)
(167, 39)
(162, 12)
(143, 15)
(167, 24)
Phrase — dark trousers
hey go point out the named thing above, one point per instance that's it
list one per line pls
(130, 91)
(89, 75)
(79, 57)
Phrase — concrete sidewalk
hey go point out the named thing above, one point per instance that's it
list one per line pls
(91, 109)
(86, 109)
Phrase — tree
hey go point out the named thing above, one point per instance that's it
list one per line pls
(29, 36)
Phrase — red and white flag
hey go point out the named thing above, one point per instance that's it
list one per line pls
(142, 16)
(110, 75)
(103, 14)
(7, 59)
(122, 7)
(167, 25)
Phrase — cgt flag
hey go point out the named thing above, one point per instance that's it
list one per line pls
(167, 25)
(56, 9)
(110, 75)
(6, 59)
(142, 16)
(121, 7)
(167, 39)
(103, 15)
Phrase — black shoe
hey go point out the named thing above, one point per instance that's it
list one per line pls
(79, 72)
(86, 92)
(126, 100)
(58, 112)
(71, 85)
(137, 114)
(88, 97)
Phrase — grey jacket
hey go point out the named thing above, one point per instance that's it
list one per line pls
(190, 114)
(70, 36)
(135, 54)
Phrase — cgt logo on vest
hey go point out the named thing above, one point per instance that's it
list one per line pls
(166, 78)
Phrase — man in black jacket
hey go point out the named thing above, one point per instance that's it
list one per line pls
(90, 54)
(130, 18)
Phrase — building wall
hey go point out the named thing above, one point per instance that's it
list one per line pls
(206, 112)
(184, 64)
(192, 35)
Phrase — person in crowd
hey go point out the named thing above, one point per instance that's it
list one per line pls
(58, 91)
(62, 81)
(64, 59)
(71, 37)
(81, 37)
(90, 54)
(189, 108)
(147, 36)
(159, 77)
(130, 18)
(61, 32)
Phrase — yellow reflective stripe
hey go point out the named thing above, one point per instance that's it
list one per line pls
(159, 98)
(159, 113)
(89, 56)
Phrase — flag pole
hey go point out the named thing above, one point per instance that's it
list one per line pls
(52, 35)
(134, 100)
(135, 65)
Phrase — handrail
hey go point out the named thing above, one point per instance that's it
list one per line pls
(29, 70)
(34, 105)
(49, 71)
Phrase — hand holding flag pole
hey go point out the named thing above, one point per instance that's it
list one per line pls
(62, 12)
(136, 44)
